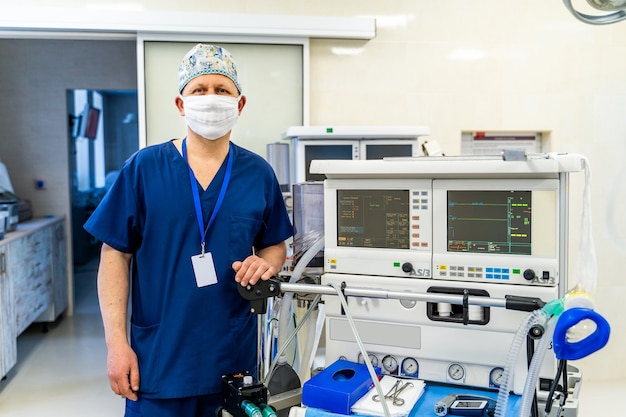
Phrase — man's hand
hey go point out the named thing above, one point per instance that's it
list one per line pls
(252, 269)
(123, 371)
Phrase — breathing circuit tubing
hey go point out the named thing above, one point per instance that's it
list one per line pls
(535, 366)
(284, 315)
(507, 377)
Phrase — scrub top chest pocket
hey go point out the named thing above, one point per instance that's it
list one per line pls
(243, 231)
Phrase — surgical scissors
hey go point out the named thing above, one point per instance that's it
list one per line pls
(394, 393)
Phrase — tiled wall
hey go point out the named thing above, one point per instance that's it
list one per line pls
(461, 65)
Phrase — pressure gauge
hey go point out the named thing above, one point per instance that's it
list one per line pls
(495, 377)
(410, 367)
(373, 359)
(390, 364)
(456, 372)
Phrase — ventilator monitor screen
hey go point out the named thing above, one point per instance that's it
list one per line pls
(491, 221)
(382, 151)
(373, 218)
(312, 152)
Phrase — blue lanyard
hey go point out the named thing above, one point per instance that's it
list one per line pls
(196, 193)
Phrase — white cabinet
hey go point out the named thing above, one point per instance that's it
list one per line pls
(30, 270)
(8, 337)
(58, 269)
(33, 281)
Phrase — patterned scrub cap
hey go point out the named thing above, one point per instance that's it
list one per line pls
(206, 59)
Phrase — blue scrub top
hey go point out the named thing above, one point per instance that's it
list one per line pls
(187, 337)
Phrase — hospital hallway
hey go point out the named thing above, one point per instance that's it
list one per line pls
(62, 373)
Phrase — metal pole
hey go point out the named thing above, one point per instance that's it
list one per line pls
(395, 295)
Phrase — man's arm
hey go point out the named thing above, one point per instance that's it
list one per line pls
(265, 264)
(113, 292)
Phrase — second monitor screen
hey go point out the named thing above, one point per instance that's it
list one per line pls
(489, 222)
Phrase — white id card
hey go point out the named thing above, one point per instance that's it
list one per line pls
(204, 270)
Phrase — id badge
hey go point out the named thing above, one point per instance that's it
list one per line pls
(204, 269)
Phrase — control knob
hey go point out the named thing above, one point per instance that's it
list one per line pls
(529, 275)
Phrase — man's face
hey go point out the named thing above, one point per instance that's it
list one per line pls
(210, 84)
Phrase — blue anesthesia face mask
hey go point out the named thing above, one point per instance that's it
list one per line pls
(573, 350)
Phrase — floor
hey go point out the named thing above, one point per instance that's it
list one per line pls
(61, 373)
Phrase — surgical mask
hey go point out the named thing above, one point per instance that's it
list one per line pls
(211, 116)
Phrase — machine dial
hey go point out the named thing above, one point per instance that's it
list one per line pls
(390, 364)
(456, 372)
(410, 367)
(495, 377)
(373, 359)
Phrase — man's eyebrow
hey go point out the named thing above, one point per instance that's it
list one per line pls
(223, 85)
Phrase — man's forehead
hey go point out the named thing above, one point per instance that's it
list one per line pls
(215, 80)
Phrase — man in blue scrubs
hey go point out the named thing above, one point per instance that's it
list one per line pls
(184, 224)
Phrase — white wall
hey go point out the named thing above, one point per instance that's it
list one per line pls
(460, 65)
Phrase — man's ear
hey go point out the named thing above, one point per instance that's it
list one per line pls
(178, 102)
(242, 103)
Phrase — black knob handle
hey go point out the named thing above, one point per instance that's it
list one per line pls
(529, 275)
(536, 332)
(407, 267)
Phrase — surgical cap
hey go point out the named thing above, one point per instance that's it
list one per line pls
(206, 59)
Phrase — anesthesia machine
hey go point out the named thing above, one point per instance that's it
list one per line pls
(454, 271)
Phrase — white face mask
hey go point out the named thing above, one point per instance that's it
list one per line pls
(211, 116)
